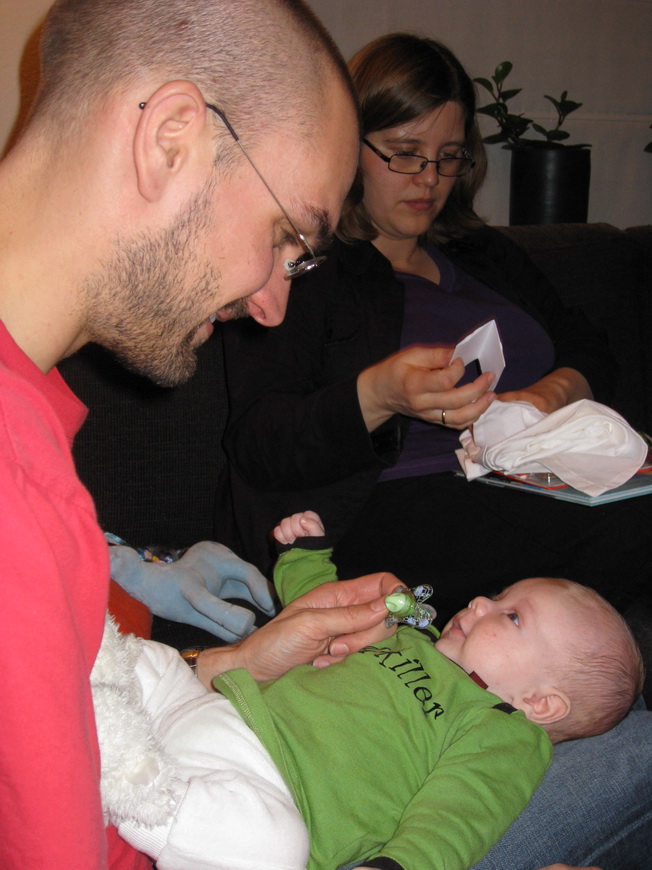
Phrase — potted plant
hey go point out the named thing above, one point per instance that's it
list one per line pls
(549, 179)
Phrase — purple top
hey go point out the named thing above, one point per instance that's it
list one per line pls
(443, 314)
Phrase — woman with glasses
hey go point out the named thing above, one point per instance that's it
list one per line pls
(350, 408)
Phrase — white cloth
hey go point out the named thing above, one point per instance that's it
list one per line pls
(229, 807)
(137, 775)
(587, 445)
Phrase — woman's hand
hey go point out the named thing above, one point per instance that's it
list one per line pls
(553, 391)
(419, 382)
(321, 627)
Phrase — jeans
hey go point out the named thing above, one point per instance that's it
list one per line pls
(594, 806)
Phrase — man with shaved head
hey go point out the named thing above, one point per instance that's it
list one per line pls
(182, 161)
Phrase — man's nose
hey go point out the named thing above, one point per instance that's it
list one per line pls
(268, 305)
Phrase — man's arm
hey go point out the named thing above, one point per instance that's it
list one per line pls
(54, 583)
(321, 627)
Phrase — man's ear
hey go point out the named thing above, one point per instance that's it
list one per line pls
(547, 706)
(171, 127)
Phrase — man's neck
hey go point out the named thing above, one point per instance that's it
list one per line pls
(39, 278)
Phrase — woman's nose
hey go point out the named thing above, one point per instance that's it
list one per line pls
(428, 176)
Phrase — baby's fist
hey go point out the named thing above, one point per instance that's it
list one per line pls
(306, 524)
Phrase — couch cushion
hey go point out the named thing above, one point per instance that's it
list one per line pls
(150, 456)
(601, 269)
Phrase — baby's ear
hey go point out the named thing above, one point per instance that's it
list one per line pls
(547, 706)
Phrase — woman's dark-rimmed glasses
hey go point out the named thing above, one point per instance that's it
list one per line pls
(413, 164)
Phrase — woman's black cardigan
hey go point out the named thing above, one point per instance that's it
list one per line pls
(296, 438)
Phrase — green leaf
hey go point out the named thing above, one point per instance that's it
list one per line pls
(493, 110)
(507, 95)
(495, 138)
(519, 121)
(563, 106)
(485, 84)
(553, 101)
(557, 135)
(502, 71)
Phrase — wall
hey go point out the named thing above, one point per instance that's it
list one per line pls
(19, 20)
(598, 50)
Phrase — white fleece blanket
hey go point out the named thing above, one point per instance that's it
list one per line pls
(137, 776)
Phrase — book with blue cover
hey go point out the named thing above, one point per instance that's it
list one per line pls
(552, 487)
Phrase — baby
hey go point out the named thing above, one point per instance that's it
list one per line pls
(570, 638)
(416, 752)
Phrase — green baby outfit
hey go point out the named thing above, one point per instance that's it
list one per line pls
(395, 751)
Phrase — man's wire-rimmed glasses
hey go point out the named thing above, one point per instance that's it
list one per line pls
(309, 260)
(413, 164)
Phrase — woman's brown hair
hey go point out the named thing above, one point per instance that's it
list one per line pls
(399, 77)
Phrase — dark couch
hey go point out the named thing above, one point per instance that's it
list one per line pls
(151, 456)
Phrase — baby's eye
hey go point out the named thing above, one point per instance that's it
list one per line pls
(514, 618)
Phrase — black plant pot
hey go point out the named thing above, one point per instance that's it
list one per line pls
(549, 185)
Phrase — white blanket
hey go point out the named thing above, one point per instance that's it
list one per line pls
(587, 445)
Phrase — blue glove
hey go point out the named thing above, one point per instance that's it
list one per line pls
(191, 590)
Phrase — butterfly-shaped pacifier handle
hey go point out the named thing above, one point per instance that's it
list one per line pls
(406, 605)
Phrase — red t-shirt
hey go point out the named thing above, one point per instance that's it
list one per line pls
(54, 571)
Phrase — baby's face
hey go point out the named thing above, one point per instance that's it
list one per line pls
(513, 641)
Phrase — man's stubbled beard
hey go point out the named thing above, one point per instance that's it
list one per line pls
(150, 299)
(236, 309)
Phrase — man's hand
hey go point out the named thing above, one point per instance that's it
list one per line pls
(321, 627)
(192, 590)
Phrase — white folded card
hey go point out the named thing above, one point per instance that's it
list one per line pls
(484, 345)
(587, 445)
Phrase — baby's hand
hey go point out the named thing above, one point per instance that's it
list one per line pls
(306, 524)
